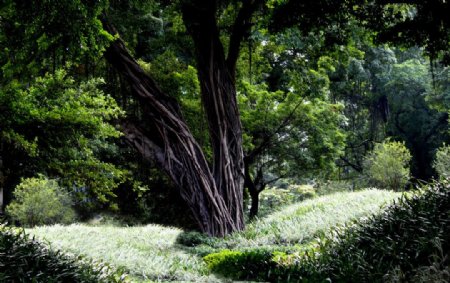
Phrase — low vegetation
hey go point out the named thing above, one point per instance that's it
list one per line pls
(409, 242)
(147, 252)
(301, 222)
(23, 259)
(164, 254)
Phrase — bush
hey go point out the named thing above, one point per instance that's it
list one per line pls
(241, 265)
(25, 260)
(387, 166)
(442, 162)
(40, 201)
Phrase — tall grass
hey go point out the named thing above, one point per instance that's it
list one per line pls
(22, 259)
(408, 242)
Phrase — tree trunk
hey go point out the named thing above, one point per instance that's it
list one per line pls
(252, 186)
(254, 208)
(214, 196)
(217, 81)
(1, 178)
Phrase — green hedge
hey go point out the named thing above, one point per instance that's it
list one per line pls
(23, 259)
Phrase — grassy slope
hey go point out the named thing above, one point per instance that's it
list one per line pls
(301, 222)
(146, 251)
(151, 251)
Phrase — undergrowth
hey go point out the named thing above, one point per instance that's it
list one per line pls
(408, 242)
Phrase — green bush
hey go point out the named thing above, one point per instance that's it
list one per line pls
(387, 166)
(40, 201)
(241, 265)
(25, 260)
(442, 162)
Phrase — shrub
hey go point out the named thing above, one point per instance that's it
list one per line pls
(442, 162)
(241, 265)
(26, 260)
(387, 166)
(40, 201)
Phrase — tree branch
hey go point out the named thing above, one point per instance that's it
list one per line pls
(240, 31)
(267, 139)
(356, 167)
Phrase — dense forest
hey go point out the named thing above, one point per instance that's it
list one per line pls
(215, 140)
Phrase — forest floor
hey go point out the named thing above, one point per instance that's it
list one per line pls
(158, 253)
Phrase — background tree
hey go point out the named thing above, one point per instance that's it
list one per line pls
(59, 127)
(293, 131)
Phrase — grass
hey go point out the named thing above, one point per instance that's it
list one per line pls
(154, 252)
(147, 252)
(301, 222)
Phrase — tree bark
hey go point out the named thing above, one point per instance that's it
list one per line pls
(255, 186)
(218, 90)
(166, 139)
(1, 182)
(214, 193)
(254, 208)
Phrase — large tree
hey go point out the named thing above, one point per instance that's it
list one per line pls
(53, 31)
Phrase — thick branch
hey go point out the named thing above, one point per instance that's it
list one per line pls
(356, 167)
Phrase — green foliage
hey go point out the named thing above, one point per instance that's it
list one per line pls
(442, 162)
(40, 201)
(408, 242)
(40, 36)
(387, 165)
(240, 265)
(410, 239)
(61, 127)
(26, 260)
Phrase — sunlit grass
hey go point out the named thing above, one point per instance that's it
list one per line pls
(148, 252)
(152, 252)
(301, 222)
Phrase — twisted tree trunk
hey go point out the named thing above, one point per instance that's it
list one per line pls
(213, 192)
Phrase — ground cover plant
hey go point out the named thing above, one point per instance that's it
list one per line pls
(148, 252)
(23, 259)
(300, 222)
(408, 242)
(164, 254)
